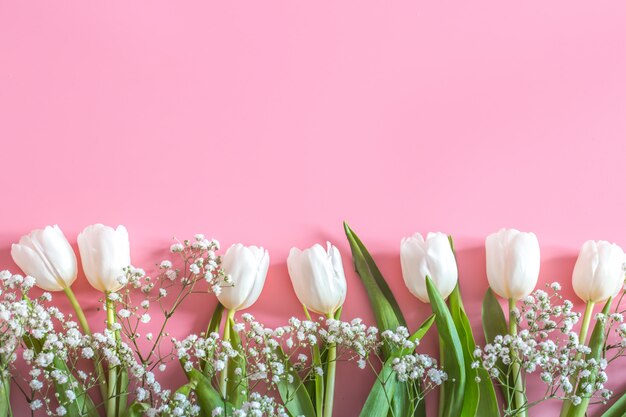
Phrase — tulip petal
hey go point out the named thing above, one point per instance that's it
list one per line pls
(523, 265)
(247, 266)
(31, 263)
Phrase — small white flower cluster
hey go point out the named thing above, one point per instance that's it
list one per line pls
(257, 406)
(15, 316)
(196, 262)
(560, 360)
(409, 365)
(200, 260)
(274, 355)
(208, 353)
(174, 405)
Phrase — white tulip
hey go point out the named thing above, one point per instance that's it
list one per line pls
(512, 263)
(598, 273)
(247, 266)
(46, 255)
(104, 253)
(433, 257)
(318, 278)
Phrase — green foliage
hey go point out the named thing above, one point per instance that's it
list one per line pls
(237, 384)
(618, 409)
(387, 392)
(494, 324)
(136, 409)
(480, 397)
(596, 344)
(208, 397)
(452, 360)
(294, 394)
(83, 405)
(5, 395)
(384, 305)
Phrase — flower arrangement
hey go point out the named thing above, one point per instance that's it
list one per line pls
(240, 367)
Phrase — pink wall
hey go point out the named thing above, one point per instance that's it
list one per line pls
(270, 122)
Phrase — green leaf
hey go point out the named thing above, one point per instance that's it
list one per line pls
(494, 321)
(122, 399)
(401, 403)
(596, 344)
(494, 324)
(185, 389)
(316, 390)
(420, 408)
(208, 397)
(480, 397)
(294, 394)
(452, 361)
(5, 394)
(388, 317)
(618, 409)
(216, 319)
(237, 384)
(338, 313)
(380, 396)
(423, 329)
(418, 335)
(384, 305)
(82, 406)
(136, 410)
(214, 327)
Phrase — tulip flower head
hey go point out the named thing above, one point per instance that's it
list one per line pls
(247, 267)
(318, 278)
(104, 253)
(512, 263)
(431, 257)
(599, 271)
(46, 255)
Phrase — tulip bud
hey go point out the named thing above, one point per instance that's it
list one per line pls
(247, 267)
(104, 253)
(599, 271)
(512, 263)
(432, 257)
(318, 278)
(46, 255)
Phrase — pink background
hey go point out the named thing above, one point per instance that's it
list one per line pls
(271, 122)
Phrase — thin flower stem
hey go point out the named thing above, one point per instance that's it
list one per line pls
(319, 379)
(112, 386)
(585, 324)
(226, 338)
(6, 391)
(518, 384)
(330, 378)
(80, 315)
(582, 339)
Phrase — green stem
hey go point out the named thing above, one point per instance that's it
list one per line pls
(226, 338)
(518, 397)
(582, 339)
(329, 394)
(80, 315)
(319, 379)
(112, 385)
(5, 394)
(442, 392)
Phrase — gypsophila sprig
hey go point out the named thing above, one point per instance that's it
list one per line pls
(274, 355)
(547, 346)
(194, 269)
